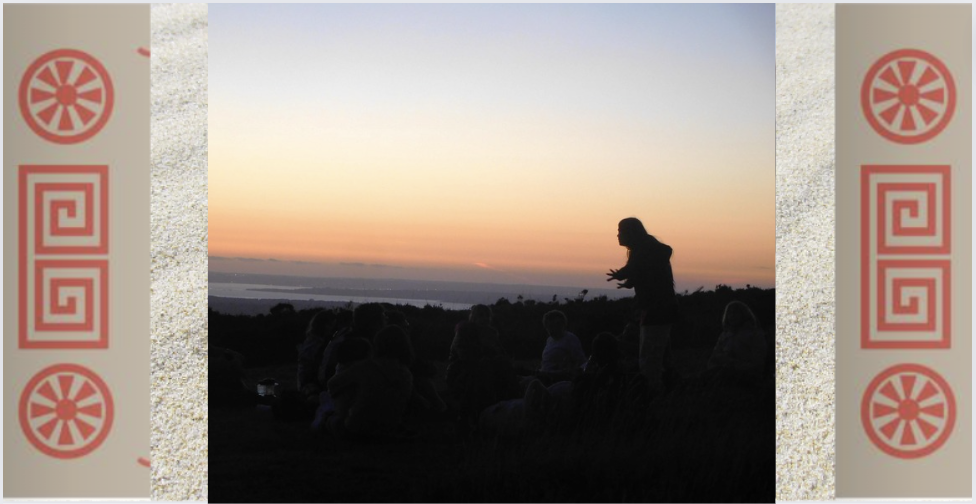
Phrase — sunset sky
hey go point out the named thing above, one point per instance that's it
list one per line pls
(491, 143)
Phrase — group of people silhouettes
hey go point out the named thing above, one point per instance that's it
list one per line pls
(361, 376)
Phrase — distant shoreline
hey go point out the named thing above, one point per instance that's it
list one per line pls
(258, 306)
(257, 293)
(250, 294)
(289, 282)
(240, 306)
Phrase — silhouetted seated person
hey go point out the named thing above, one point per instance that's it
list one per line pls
(478, 378)
(563, 355)
(348, 353)
(425, 396)
(740, 353)
(367, 321)
(227, 386)
(591, 399)
(480, 316)
(538, 409)
(352, 351)
(397, 318)
(371, 395)
(320, 330)
(599, 391)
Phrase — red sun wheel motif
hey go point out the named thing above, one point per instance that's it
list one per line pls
(66, 96)
(66, 411)
(908, 411)
(908, 96)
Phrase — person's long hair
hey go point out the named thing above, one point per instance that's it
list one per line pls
(321, 324)
(738, 316)
(637, 235)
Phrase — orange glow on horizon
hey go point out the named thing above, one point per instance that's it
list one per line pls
(515, 248)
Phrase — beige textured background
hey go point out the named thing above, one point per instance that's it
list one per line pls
(179, 252)
(805, 252)
(863, 470)
(32, 30)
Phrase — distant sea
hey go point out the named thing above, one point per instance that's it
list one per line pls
(420, 293)
(284, 293)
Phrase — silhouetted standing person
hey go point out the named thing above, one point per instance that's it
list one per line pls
(648, 272)
(563, 354)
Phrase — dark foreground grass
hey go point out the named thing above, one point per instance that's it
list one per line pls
(696, 445)
(713, 443)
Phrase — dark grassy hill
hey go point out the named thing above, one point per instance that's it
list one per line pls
(272, 338)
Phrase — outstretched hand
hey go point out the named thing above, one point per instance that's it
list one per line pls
(615, 275)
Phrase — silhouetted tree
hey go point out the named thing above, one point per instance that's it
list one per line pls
(282, 309)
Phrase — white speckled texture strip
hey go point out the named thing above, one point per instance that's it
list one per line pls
(805, 111)
(179, 252)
